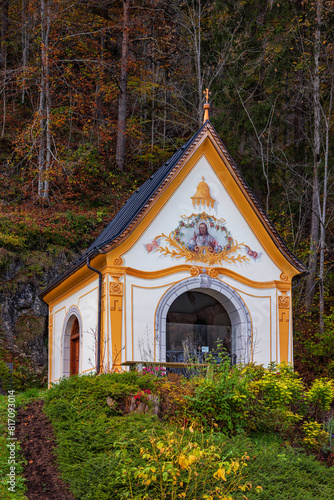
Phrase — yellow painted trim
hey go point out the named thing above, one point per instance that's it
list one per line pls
(291, 332)
(283, 286)
(80, 278)
(124, 320)
(270, 357)
(51, 337)
(284, 339)
(284, 329)
(161, 273)
(102, 332)
(107, 321)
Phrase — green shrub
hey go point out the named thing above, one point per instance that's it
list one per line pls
(222, 401)
(321, 396)
(277, 395)
(315, 437)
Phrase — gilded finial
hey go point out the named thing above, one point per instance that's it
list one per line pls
(206, 105)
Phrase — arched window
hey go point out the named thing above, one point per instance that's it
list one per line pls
(74, 348)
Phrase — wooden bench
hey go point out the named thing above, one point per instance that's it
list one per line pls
(133, 364)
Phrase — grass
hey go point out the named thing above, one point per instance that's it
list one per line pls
(284, 472)
(104, 453)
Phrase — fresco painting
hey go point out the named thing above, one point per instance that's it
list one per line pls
(202, 238)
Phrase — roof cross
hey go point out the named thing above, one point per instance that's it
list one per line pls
(207, 93)
(206, 105)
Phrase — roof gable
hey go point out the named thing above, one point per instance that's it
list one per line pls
(139, 203)
(142, 200)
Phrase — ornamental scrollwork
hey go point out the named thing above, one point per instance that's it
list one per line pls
(118, 261)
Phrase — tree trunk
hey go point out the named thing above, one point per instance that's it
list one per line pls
(25, 42)
(121, 129)
(4, 30)
(315, 215)
(323, 218)
(44, 157)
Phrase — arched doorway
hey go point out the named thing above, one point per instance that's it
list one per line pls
(235, 312)
(74, 348)
(71, 343)
(197, 326)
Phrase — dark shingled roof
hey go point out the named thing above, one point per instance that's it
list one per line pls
(137, 201)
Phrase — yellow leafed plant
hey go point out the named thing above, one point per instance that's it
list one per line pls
(186, 463)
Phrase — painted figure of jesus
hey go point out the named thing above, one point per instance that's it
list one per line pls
(203, 239)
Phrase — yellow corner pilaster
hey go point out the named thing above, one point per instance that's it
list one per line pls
(103, 325)
(284, 326)
(116, 308)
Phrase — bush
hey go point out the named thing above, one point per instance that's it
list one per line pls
(278, 393)
(320, 396)
(315, 437)
(173, 393)
(222, 402)
(183, 464)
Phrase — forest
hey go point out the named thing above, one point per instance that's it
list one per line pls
(96, 94)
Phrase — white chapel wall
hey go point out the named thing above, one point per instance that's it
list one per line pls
(85, 300)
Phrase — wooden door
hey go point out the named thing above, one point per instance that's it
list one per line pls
(74, 348)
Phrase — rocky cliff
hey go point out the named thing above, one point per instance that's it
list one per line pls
(23, 315)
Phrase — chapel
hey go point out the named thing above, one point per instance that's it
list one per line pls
(189, 266)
